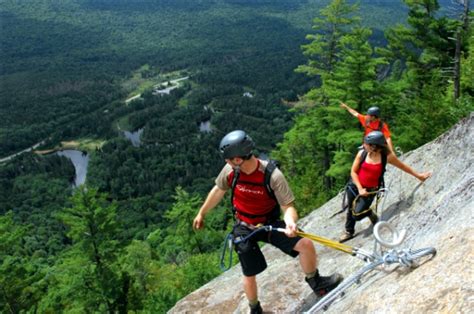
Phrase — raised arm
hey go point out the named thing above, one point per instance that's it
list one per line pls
(422, 176)
(351, 111)
(212, 199)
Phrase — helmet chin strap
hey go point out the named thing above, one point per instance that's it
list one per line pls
(235, 166)
(247, 168)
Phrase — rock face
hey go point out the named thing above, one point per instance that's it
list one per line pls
(437, 213)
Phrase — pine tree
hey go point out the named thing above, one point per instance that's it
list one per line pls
(19, 273)
(322, 51)
(355, 81)
(87, 276)
(321, 139)
(323, 54)
(180, 241)
(355, 76)
(424, 44)
(427, 49)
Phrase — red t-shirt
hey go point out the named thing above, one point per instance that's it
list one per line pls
(251, 197)
(369, 174)
(373, 125)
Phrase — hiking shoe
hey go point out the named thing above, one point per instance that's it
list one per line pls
(256, 309)
(346, 236)
(373, 218)
(322, 284)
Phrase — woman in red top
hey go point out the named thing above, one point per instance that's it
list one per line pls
(365, 175)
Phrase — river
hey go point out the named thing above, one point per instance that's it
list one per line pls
(205, 126)
(134, 137)
(80, 160)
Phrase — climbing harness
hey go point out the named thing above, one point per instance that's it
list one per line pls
(228, 244)
(380, 256)
(381, 193)
(378, 195)
(230, 241)
(381, 185)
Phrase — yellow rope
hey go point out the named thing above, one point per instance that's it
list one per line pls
(327, 242)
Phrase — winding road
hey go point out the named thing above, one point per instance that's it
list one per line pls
(23, 151)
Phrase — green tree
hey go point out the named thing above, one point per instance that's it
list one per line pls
(467, 69)
(173, 282)
(302, 159)
(322, 51)
(321, 143)
(87, 275)
(355, 81)
(355, 76)
(181, 241)
(424, 42)
(139, 270)
(19, 273)
(426, 48)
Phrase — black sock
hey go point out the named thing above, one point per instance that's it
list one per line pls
(254, 303)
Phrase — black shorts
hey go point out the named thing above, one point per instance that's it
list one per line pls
(251, 257)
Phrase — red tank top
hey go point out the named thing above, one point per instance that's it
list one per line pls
(369, 174)
(251, 197)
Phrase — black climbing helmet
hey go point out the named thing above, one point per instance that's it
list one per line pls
(374, 111)
(236, 144)
(375, 137)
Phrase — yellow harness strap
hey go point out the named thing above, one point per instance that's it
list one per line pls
(327, 242)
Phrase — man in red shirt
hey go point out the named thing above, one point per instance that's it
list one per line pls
(371, 122)
(253, 204)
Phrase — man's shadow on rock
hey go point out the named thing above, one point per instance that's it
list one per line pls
(392, 210)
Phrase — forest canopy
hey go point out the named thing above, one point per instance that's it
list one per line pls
(276, 69)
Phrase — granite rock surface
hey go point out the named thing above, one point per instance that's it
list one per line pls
(437, 213)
